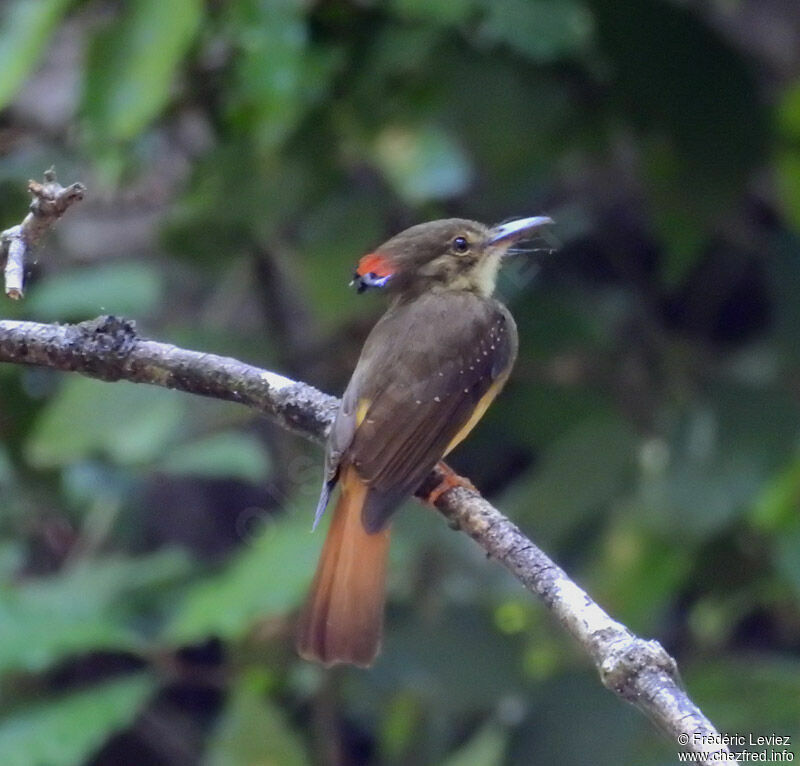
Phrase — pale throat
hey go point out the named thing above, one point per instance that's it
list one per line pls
(482, 277)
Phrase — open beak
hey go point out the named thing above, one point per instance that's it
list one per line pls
(516, 231)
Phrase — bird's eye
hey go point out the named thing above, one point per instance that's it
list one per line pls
(460, 245)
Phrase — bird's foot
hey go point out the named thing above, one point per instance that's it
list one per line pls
(449, 480)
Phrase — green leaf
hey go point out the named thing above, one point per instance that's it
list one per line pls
(117, 288)
(34, 638)
(252, 731)
(268, 577)
(787, 159)
(787, 167)
(226, 455)
(422, 163)
(25, 28)
(775, 508)
(788, 116)
(82, 609)
(127, 422)
(132, 65)
(543, 30)
(67, 730)
(277, 74)
(399, 727)
(486, 748)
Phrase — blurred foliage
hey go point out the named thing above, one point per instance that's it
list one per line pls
(65, 728)
(240, 156)
(132, 64)
(26, 30)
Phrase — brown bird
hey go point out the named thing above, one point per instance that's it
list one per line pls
(427, 372)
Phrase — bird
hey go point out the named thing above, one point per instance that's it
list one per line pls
(427, 372)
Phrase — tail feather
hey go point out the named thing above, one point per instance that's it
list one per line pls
(343, 617)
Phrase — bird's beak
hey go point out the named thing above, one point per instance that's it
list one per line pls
(516, 231)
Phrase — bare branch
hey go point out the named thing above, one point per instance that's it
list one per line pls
(50, 201)
(638, 670)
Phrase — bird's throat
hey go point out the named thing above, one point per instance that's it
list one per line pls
(481, 278)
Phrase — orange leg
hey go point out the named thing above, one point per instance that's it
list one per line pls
(449, 480)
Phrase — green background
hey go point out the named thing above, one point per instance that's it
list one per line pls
(240, 156)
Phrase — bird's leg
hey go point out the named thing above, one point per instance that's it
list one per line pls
(448, 479)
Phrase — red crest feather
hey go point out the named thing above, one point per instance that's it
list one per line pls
(374, 263)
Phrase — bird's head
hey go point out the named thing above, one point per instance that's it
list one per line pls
(451, 254)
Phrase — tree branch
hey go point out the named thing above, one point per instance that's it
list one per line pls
(50, 202)
(639, 671)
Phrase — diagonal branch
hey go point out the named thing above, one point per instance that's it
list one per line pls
(638, 670)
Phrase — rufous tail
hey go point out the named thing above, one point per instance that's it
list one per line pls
(342, 620)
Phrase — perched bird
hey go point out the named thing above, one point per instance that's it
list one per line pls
(427, 372)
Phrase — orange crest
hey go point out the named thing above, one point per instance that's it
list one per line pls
(374, 263)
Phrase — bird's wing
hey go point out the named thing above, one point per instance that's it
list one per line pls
(426, 374)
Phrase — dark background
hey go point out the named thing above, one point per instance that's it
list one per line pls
(240, 157)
